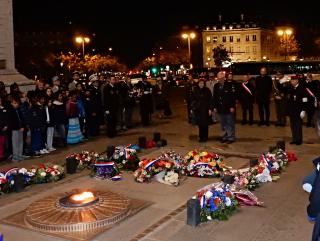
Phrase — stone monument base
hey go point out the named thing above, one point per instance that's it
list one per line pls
(9, 78)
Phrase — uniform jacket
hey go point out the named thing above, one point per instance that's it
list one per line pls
(111, 98)
(224, 97)
(296, 100)
(201, 104)
(263, 88)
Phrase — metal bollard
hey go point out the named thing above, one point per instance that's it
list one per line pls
(193, 212)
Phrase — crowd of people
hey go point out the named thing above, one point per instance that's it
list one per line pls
(58, 113)
(210, 97)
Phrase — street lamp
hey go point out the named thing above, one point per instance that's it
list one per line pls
(82, 40)
(285, 34)
(189, 36)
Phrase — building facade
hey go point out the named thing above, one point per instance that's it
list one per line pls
(243, 41)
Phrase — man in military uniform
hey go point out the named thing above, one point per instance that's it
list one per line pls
(263, 92)
(111, 99)
(296, 105)
(146, 102)
(224, 102)
(280, 84)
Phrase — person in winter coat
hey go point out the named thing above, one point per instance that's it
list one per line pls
(59, 117)
(17, 127)
(161, 93)
(91, 109)
(74, 131)
(224, 102)
(202, 108)
(246, 94)
(263, 92)
(146, 101)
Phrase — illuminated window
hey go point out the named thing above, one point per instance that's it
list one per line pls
(208, 39)
(214, 39)
(254, 37)
(247, 38)
(224, 39)
(238, 39)
(231, 39)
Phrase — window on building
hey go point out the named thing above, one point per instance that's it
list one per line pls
(254, 37)
(247, 49)
(231, 49)
(239, 49)
(214, 39)
(254, 49)
(224, 39)
(231, 39)
(208, 39)
(238, 39)
(247, 38)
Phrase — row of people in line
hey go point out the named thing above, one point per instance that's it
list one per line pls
(294, 98)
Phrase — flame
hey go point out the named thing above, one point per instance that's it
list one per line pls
(83, 197)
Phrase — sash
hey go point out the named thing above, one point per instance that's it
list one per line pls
(313, 96)
(246, 88)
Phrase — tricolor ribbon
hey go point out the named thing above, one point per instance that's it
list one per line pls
(246, 88)
(101, 164)
(150, 164)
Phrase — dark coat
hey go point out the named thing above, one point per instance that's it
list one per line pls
(36, 117)
(146, 101)
(4, 119)
(111, 98)
(190, 87)
(59, 115)
(263, 88)
(161, 96)
(244, 96)
(127, 99)
(15, 119)
(201, 104)
(224, 97)
(314, 207)
(296, 100)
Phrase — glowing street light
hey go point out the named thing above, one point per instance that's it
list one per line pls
(82, 40)
(189, 36)
(285, 35)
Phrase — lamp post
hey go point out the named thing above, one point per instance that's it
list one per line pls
(285, 34)
(82, 40)
(189, 36)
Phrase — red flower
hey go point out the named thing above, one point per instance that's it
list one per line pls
(216, 201)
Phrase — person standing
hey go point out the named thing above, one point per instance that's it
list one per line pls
(296, 101)
(129, 103)
(224, 102)
(312, 90)
(202, 108)
(74, 132)
(111, 106)
(4, 126)
(279, 92)
(246, 97)
(263, 92)
(161, 97)
(146, 102)
(75, 80)
(210, 85)
(59, 117)
(190, 86)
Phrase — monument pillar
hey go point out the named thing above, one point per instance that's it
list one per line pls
(8, 72)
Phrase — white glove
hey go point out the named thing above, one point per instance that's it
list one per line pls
(107, 112)
(302, 114)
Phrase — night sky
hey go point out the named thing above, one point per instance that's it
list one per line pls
(134, 28)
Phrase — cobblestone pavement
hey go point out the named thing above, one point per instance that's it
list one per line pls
(283, 218)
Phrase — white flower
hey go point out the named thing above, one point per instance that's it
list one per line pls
(55, 166)
(276, 165)
(116, 156)
(121, 153)
(209, 218)
(12, 182)
(43, 174)
(30, 174)
(23, 170)
(124, 162)
(33, 170)
(228, 202)
(208, 195)
(53, 173)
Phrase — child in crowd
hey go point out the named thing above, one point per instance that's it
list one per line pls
(59, 117)
(17, 128)
(74, 132)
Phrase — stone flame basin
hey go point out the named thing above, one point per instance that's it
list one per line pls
(78, 210)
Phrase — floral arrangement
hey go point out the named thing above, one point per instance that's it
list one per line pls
(44, 173)
(202, 164)
(47, 172)
(176, 158)
(148, 168)
(247, 198)
(85, 158)
(216, 202)
(103, 168)
(126, 158)
(291, 156)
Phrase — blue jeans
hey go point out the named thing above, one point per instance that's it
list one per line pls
(228, 126)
